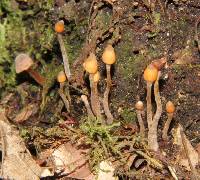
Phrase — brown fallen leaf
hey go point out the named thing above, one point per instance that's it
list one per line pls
(72, 161)
(182, 156)
(26, 112)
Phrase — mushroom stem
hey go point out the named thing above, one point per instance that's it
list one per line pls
(106, 94)
(36, 76)
(166, 126)
(65, 100)
(87, 105)
(65, 57)
(94, 98)
(149, 106)
(140, 121)
(152, 134)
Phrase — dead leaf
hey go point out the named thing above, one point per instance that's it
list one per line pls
(72, 161)
(26, 112)
(182, 158)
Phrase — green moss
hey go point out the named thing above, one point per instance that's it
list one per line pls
(24, 133)
(12, 33)
(128, 115)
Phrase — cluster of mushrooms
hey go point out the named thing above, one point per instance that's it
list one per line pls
(151, 76)
(97, 105)
(91, 66)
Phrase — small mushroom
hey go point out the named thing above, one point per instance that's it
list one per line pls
(23, 62)
(108, 58)
(91, 66)
(170, 109)
(150, 76)
(139, 106)
(59, 28)
(61, 78)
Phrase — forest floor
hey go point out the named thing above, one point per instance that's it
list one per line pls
(140, 31)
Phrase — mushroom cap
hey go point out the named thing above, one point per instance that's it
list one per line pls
(84, 98)
(90, 64)
(150, 73)
(96, 77)
(109, 56)
(61, 77)
(159, 63)
(23, 62)
(139, 105)
(59, 26)
(170, 108)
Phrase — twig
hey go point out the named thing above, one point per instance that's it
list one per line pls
(153, 161)
(172, 171)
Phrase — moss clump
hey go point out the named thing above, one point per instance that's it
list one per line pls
(101, 140)
(128, 115)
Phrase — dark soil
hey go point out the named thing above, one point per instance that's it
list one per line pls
(140, 33)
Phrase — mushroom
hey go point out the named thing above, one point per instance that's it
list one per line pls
(59, 28)
(150, 76)
(23, 62)
(170, 108)
(61, 78)
(91, 66)
(139, 106)
(108, 58)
